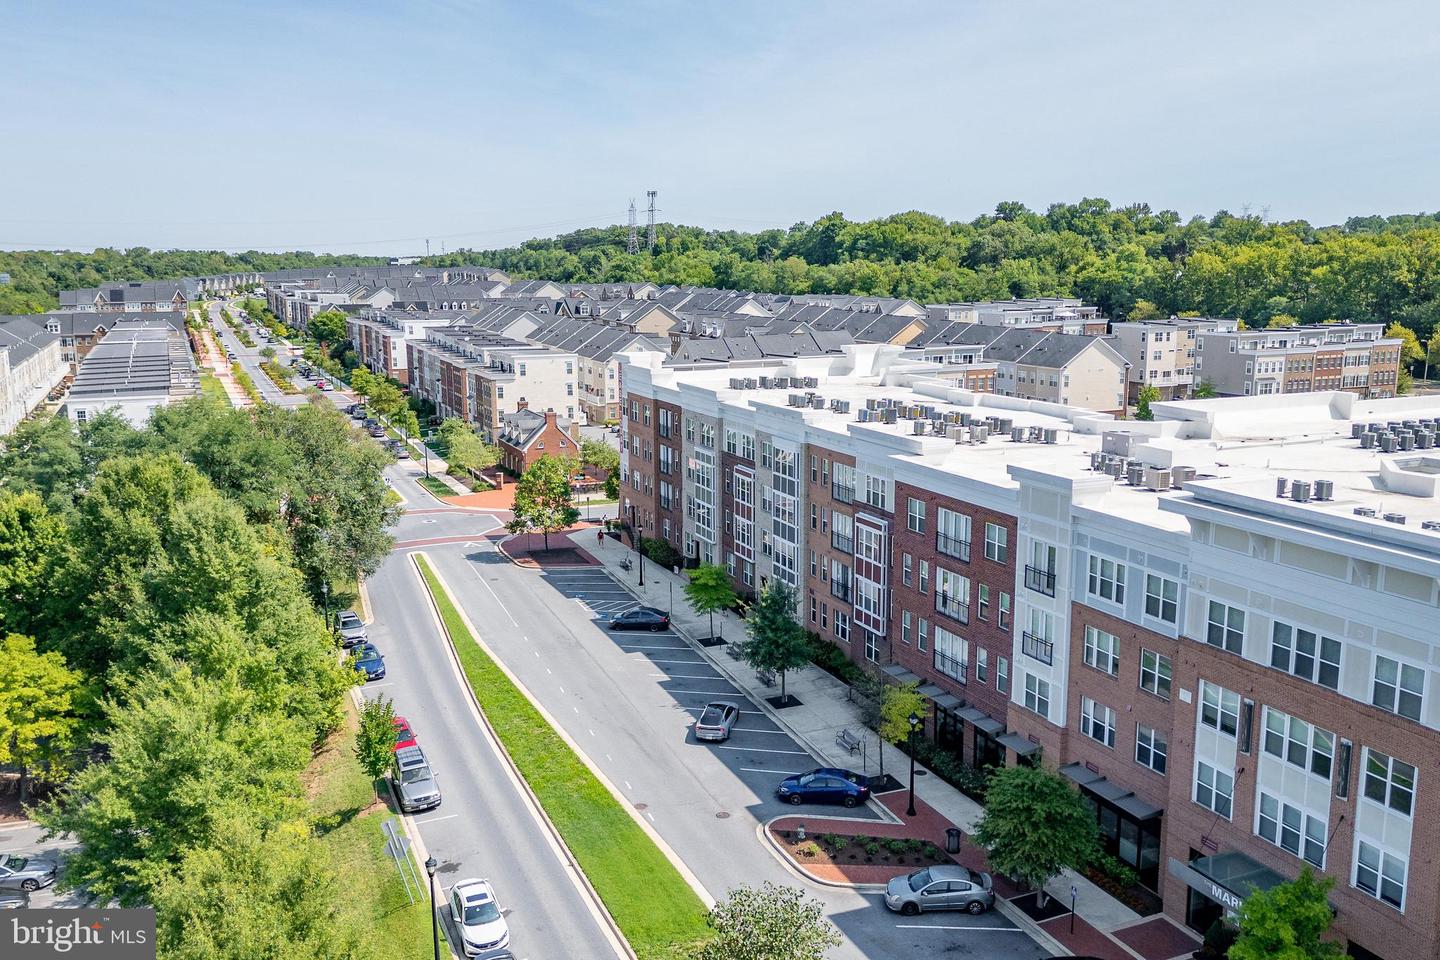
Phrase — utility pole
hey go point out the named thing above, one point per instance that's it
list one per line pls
(632, 245)
(650, 231)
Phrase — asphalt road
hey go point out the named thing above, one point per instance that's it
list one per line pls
(249, 358)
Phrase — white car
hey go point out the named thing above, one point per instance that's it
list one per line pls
(479, 918)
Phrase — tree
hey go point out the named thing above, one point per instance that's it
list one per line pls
(1205, 390)
(612, 486)
(268, 352)
(1410, 349)
(464, 450)
(897, 703)
(775, 642)
(542, 498)
(1034, 826)
(375, 740)
(36, 720)
(709, 590)
(33, 545)
(1145, 310)
(1148, 394)
(600, 455)
(328, 327)
(769, 923)
(1284, 320)
(1404, 382)
(1287, 922)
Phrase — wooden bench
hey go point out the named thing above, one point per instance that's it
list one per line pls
(846, 740)
(766, 677)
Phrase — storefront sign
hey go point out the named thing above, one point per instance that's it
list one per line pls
(1196, 880)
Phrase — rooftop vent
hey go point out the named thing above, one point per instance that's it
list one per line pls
(1324, 489)
(1395, 518)
(1430, 525)
(1300, 491)
(1179, 476)
(1364, 511)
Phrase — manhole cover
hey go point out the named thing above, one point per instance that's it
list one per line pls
(641, 806)
(722, 815)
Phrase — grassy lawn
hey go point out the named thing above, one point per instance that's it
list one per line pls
(212, 388)
(346, 819)
(658, 912)
(435, 486)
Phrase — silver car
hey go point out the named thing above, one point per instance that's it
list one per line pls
(26, 873)
(414, 781)
(717, 720)
(940, 888)
(352, 629)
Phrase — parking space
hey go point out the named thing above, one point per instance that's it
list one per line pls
(25, 840)
(758, 753)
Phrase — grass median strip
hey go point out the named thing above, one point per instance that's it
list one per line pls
(435, 486)
(658, 912)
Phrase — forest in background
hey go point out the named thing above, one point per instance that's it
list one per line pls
(1134, 262)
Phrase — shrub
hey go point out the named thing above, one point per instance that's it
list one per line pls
(897, 847)
(660, 551)
(932, 852)
(1116, 870)
(871, 848)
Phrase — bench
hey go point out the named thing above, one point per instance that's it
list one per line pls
(846, 740)
(766, 677)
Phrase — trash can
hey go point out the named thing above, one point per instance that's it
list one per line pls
(952, 840)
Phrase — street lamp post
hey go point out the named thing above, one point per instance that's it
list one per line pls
(430, 865)
(914, 726)
(325, 592)
(635, 535)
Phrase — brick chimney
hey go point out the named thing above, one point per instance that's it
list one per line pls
(549, 418)
(522, 404)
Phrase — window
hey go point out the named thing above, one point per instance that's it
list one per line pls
(1219, 708)
(1107, 579)
(1291, 829)
(1150, 748)
(1389, 782)
(1214, 789)
(952, 534)
(1161, 598)
(877, 492)
(906, 575)
(996, 543)
(1102, 650)
(1003, 620)
(906, 620)
(1298, 743)
(952, 594)
(982, 601)
(982, 664)
(1380, 874)
(842, 625)
(1305, 654)
(1155, 673)
(1226, 627)
(915, 515)
(922, 634)
(872, 646)
(1097, 721)
(1399, 687)
(952, 654)
(1002, 674)
(1037, 695)
(924, 576)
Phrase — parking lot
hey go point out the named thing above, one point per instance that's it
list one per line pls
(758, 752)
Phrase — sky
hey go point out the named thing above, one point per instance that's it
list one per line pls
(368, 127)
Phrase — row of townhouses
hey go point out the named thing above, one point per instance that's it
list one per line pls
(1220, 625)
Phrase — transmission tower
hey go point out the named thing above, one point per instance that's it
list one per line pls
(650, 229)
(633, 244)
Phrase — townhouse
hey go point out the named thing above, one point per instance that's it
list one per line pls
(32, 364)
(1052, 314)
(1220, 626)
(1161, 353)
(141, 365)
(134, 296)
(527, 435)
(1333, 356)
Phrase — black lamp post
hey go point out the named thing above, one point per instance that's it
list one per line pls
(914, 726)
(325, 593)
(635, 535)
(430, 865)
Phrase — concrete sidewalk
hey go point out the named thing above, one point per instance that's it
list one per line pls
(826, 708)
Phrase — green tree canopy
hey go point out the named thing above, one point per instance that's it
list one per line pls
(1287, 921)
(1148, 394)
(600, 455)
(36, 719)
(769, 923)
(1035, 825)
(542, 497)
(328, 327)
(897, 703)
(33, 546)
(375, 740)
(709, 591)
(465, 451)
(775, 641)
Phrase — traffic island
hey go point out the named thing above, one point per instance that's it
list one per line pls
(529, 550)
(854, 858)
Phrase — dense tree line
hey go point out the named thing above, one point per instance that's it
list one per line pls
(171, 578)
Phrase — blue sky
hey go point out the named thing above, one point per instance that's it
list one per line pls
(368, 127)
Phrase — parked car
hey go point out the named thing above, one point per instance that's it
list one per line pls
(26, 873)
(641, 618)
(368, 661)
(14, 901)
(414, 781)
(401, 450)
(230, 355)
(404, 736)
(940, 888)
(478, 916)
(377, 431)
(351, 628)
(825, 785)
(717, 720)
(323, 384)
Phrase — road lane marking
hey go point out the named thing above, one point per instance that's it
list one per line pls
(703, 693)
(655, 646)
(562, 689)
(690, 662)
(650, 816)
(436, 819)
(487, 586)
(684, 676)
(797, 753)
(937, 926)
(549, 671)
(773, 733)
(786, 773)
(743, 713)
(627, 782)
(592, 732)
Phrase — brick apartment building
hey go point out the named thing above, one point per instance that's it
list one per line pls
(1237, 683)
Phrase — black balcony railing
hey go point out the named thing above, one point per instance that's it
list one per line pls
(842, 543)
(951, 547)
(952, 608)
(1033, 646)
(951, 667)
(842, 493)
(840, 589)
(1041, 581)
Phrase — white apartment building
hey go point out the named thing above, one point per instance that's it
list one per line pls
(32, 363)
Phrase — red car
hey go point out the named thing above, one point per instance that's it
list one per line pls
(404, 736)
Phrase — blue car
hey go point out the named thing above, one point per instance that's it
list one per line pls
(825, 785)
(368, 661)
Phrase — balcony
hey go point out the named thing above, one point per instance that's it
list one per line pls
(842, 493)
(951, 667)
(951, 547)
(840, 589)
(1041, 581)
(1040, 649)
(952, 608)
(842, 543)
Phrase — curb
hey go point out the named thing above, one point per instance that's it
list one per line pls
(767, 840)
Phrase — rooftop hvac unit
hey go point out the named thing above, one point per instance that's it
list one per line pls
(862, 416)
(751, 383)
(1157, 479)
(1052, 435)
(1430, 524)
(1424, 441)
(782, 383)
(918, 428)
(1037, 434)
(842, 406)
(1324, 489)
(1135, 474)
(871, 403)
(1395, 518)
(1387, 443)
(888, 415)
(965, 419)
(956, 432)
(765, 383)
(1115, 467)
(798, 400)
(811, 383)
(1300, 491)
(817, 402)
(1281, 487)
(940, 427)
(1367, 441)
(1407, 441)
(1179, 476)
(979, 434)
(1364, 511)
(1096, 458)
(1017, 434)
(1115, 441)
(1356, 429)
(737, 383)
(1004, 424)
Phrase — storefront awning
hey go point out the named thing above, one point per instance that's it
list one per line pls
(1227, 878)
(899, 674)
(1121, 797)
(1022, 745)
(982, 720)
(941, 699)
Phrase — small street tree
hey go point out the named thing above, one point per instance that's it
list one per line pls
(776, 642)
(1287, 921)
(464, 450)
(542, 498)
(1205, 390)
(709, 590)
(769, 923)
(375, 740)
(1148, 394)
(897, 702)
(600, 455)
(328, 327)
(36, 720)
(1034, 826)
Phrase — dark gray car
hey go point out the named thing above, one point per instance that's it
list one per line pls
(940, 888)
(26, 873)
